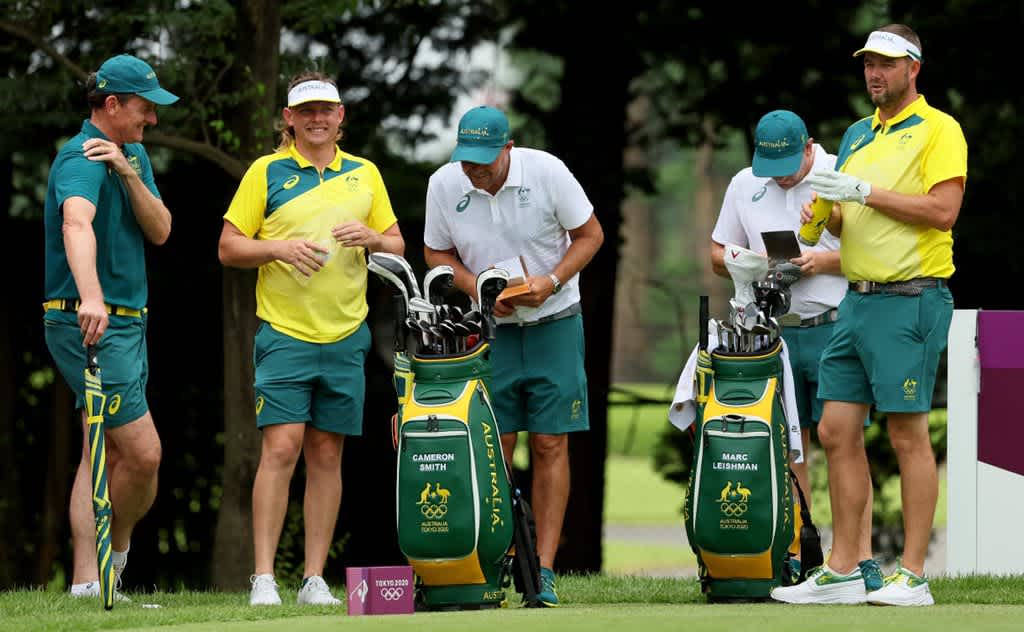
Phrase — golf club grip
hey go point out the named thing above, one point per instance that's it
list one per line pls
(703, 322)
(400, 315)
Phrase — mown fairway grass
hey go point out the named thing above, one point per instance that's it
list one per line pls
(592, 603)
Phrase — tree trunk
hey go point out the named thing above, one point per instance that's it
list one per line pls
(10, 505)
(705, 214)
(259, 25)
(594, 92)
(631, 356)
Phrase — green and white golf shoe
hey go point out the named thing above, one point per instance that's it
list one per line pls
(902, 588)
(825, 586)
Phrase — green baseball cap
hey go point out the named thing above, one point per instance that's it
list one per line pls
(125, 74)
(778, 144)
(483, 132)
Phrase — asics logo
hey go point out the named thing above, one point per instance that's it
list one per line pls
(290, 182)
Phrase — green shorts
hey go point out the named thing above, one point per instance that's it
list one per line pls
(122, 356)
(538, 379)
(804, 346)
(885, 350)
(305, 382)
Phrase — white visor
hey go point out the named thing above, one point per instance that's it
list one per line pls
(308, 91)
(890, 45)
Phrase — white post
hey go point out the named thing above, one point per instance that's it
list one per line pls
(964, 379)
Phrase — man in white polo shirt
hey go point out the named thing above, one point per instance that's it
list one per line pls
(768, 196)
(495, 202)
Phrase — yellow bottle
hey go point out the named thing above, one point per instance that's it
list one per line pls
(810, 232)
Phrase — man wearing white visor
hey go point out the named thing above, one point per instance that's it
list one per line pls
(899, 183)
(305, 216)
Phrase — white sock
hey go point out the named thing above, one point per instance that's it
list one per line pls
(120, 558)
(82, 589)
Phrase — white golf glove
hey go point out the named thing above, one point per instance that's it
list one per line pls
(839, 187)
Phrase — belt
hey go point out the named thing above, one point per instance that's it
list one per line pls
(71, 305)
(912, 287)
(572, 310)
(830, 316)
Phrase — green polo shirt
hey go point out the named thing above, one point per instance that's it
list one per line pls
(120, 256)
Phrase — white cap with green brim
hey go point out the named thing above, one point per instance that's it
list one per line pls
(890, 45)
(314, 90)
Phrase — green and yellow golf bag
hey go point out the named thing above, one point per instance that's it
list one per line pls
(739, 509)
(454, 504)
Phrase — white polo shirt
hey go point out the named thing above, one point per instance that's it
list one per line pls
(529, 217)
(754, 205)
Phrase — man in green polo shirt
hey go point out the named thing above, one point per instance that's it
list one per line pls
(101, 204)
(899, 182)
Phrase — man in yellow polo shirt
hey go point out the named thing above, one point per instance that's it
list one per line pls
(900, 182)
(305, 216)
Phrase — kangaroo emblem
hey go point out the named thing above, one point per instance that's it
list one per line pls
(424, 495)
(442, 492)
(742, 491)
(726, 492)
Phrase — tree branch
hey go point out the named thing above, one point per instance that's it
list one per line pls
(234, 167)
(42, 44)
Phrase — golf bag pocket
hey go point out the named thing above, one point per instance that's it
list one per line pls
(438, 500)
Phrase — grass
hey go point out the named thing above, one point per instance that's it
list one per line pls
(632, 558)
(975, 603)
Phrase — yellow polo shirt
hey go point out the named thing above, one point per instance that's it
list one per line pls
(284, 196)
(909, 153)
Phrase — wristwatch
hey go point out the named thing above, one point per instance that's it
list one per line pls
(556, 283)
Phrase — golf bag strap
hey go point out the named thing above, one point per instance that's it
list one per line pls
(527, 563)
(810, 540)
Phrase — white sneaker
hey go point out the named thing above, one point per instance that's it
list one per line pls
(314, 592)
(825, 586)
(264, 591)
(902, 588)
(92, 589)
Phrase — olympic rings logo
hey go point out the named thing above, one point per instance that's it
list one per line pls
(734, 509)
(392, 594)
(433, 511)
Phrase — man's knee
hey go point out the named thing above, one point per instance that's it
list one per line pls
(322, 450)
(908, 435)
(280, 449)
(546, 447)
(144, 461)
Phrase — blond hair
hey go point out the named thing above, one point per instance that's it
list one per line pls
(287, 133)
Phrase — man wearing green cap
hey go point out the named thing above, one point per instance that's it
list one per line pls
(900, 183)
(495, 202)
(101, 205)
(768, 196)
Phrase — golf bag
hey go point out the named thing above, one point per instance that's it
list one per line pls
(464, 528)
(456, 519)
(738, 510)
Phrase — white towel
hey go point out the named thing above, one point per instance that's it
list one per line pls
(684, 409)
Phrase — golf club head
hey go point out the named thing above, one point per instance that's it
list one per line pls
(437, 283)
(489, 285)
(394, 270)
(423, 308)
